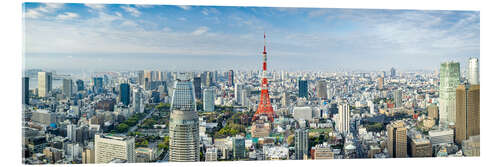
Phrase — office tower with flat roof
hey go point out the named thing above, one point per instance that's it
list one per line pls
(473, 71)
(230, 78)
(301, 143)
(125, 94)
(344, 118)
(321, 89)
(79, 85)
(420, 147)
(449, 78)
(26, 90)
(184, 126)
(380, 83)
(398, 101)
(109, 147)
(209, 100)
(197, 88)
(393, 72)
(98, 84)
(303, 90)
(140, 77)
(238, 147)
(88, 155)
(238, 88)
(137, 103)
(467, 112)
(67, 87)
(397, 140)
(44, 83)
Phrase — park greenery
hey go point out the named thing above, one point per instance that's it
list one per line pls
(375, 127)
(130, 122)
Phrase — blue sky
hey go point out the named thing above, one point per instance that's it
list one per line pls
(97, 37)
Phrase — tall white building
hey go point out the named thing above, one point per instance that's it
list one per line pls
(44, 83)
(473, 71)
(344, 118)
(449, 79)
(208, 100)
(109, 147)
(184, 123)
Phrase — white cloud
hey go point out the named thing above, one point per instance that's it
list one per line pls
(200, 30)
(66, 16)
(182, 19)
(133, 11)
(43, 9)
(119, 14)
(96, 6)
(185, 7)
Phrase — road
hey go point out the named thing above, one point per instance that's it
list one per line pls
(132, 129)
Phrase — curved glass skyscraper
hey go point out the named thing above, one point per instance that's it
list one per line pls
(183, 128)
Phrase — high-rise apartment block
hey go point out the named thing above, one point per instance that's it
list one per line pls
(467, 112)
(397, 140)
(344, 118)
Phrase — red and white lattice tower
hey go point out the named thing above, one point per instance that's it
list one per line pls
(265, 107)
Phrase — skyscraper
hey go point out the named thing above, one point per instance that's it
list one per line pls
(208, 100)
(473, 71)
(467, 112)
(44, 83)
(393, 72)
(109, 147)
(26, 90)
(137, 104)
(79, 85)
(237, 93)
(303, 88)
(98, 84)
(397, 140)
(140, 77)
(197, 87)
(230, 78)
(344, 118)
(380, 83)
(125, 93)
(449, 78)
(397, 98)
(321, 89)
(183, 127)
(67, 87)
(238, 147)
(301, 143)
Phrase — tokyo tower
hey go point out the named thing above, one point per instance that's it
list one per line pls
(265, 107)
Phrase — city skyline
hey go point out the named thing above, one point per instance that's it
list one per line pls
(136, 37)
